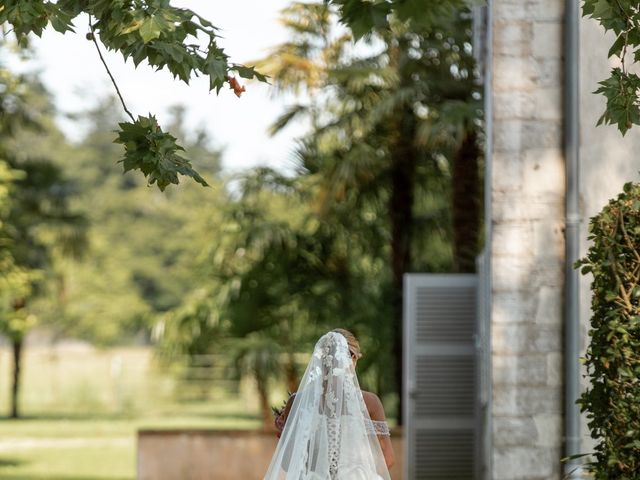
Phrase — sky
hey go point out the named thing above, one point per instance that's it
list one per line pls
(72, 71)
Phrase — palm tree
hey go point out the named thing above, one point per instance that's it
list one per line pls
(388, 129)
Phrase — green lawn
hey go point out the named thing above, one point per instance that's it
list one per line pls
(89, 462)
(82, 424)
(86, 448)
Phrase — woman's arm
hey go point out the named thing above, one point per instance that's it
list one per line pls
(376, 412)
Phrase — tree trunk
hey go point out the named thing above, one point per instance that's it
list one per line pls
(465, 203)
(403, 166)
(16, 344)
(265, 407)
(291, 373)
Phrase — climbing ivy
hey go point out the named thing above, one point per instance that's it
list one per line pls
(612, 401)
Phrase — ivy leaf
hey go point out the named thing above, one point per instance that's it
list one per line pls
(154, 153)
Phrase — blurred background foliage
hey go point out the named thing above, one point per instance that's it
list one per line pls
(235, 282)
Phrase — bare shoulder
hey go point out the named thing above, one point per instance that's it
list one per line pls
(374, 405)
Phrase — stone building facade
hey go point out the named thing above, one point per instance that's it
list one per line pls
(526, 208)
(527, 247)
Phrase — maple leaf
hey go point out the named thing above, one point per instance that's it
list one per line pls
(235, 85)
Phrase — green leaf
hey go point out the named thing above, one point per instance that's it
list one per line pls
(217, 68)
(154, 153)
(610, 296)
(363, 16)
(249, 72)
(616, 48)
(586, 269)
(132, 27)
(150, 30)
(61, 22)
(602, 9)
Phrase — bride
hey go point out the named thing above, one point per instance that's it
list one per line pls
(332, 430)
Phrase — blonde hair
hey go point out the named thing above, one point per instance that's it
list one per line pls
(352, 341)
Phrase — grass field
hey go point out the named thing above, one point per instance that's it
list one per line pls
(82, 408)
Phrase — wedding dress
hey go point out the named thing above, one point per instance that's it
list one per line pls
(328, 434)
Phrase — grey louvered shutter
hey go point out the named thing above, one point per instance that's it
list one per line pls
(441, 395)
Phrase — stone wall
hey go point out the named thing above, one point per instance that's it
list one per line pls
(216, 454)
(527, 247)
(607, 159)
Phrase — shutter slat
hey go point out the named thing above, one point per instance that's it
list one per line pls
(440, 321)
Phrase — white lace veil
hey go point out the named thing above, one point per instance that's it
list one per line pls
(325, 436)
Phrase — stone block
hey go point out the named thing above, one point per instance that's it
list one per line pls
(532, 370)
(523, 370)
(555, 369)
(504, 401)
(527, 73)
(541, 134)
(521, 135)
(513, 307)
(515, 73)
(505, 10)
(547, 39)
(519, 104)
(548, 72)
(539, 400)
(549, 427)
(512, 38)
(545, 10)
(548, 239)
(510, 338)
(507, 136)
(548, 305)
(539, 10)
(521, 338)
(549, 272)
(546, 338)
(510, 274)
(513, 239)
(543, 168)
(515, 431)
(544, 103)
(504, 369)
(506, 172)
(513, 206)
(525, 463)
(527, 274)
(547, 103)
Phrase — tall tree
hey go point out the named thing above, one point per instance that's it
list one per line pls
(395, 124)
(168, 37)
(37, 218)
(39, 221)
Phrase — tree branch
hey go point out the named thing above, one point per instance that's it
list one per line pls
(95, 42)
(628, 240)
